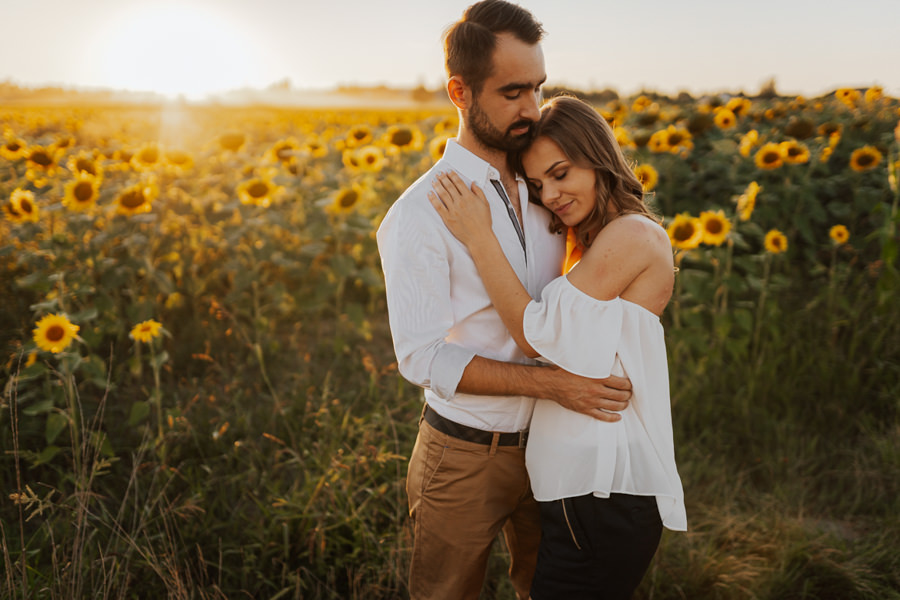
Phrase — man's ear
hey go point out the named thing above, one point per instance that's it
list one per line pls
(459, 92)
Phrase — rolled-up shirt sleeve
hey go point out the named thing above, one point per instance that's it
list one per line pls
(416, 265)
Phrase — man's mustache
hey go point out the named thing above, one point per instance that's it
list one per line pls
(520, 124)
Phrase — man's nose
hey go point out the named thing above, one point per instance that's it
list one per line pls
(531, 107)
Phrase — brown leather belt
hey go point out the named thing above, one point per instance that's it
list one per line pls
(470, 434)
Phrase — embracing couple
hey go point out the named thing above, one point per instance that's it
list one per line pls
(546, 410)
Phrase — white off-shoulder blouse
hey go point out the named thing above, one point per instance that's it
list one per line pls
(570, 454)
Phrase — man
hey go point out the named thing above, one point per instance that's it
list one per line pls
(467, 479)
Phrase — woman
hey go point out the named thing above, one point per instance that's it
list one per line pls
(605, 489)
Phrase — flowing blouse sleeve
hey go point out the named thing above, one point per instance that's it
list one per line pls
(573, 330)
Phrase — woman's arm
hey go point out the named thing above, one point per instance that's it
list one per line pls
(467, 215)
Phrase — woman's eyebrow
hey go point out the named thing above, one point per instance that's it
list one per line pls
(553, 166)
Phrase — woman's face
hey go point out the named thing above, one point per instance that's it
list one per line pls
(565, 188)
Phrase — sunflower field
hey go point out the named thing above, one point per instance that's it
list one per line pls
(200, 397)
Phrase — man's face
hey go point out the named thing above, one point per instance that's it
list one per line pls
(503, 113)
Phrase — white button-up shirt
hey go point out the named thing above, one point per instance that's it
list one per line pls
(440, 313)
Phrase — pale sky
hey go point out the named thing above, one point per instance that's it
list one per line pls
(200, 46)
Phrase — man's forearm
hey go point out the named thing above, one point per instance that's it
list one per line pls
(486, 377)
(593, 397)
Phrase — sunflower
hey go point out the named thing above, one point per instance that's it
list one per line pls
(85, 162)
(446, 125)
(259, 191)
(371, 158)
(403, 138)
(725, 119)
(769, 156)
(715, 227)
(748, 140)
(747, 201)
(350, 159)
(623, 138)
(232, 141)
(685, 232)
(136, 199)
(147, 158)
(874, 94)
(21, 207)
(794, 152)
(437, 145)
(178, 161)
(678, 140)
(739, 106)
(283, 151)
(42, 163)
(145, 331)
(647, 175)
(865, 158)
(829, 128)
(82, 192)
(13, 148)
(658, 142)
(775, 242)
(641, 103)
(347, 199)
(315, 147)
(54, 333)
(839, 234)
(359, 135)
(848, 96)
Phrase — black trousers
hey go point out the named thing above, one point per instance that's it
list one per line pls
(595, 548)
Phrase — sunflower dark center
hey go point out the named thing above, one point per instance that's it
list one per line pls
(26, 205)
(284, 153)
(84, 191)
(865, 160)
(13, 146)
(684, 232)
(771, 157)
(55, 333)
(348, 198)
(360, 134)
(40, 158)
(675, 139)
(402, 137)
(258, 189)
(86, 166)
(714, 226)
(132, 199)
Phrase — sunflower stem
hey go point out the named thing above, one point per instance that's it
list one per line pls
(760, 309)
(157, 399)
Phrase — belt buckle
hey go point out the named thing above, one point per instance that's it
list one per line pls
(523, 437)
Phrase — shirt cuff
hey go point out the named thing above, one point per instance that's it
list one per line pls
(447, 369)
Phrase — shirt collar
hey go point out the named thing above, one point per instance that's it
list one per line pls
(468, 165)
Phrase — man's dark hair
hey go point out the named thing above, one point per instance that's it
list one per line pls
(469, 43)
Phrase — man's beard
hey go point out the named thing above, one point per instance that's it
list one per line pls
(491, 137)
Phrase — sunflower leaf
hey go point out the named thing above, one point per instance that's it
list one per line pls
(139, 411)
(56, 422)
(46, 455)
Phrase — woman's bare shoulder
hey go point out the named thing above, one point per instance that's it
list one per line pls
(633, 232)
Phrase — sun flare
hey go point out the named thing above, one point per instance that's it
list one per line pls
(176, 50)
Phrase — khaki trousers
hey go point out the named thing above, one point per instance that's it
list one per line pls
(461, 495)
